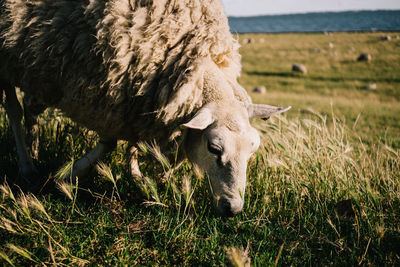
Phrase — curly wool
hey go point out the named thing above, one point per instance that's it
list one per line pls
(129, 69)
(163, 44)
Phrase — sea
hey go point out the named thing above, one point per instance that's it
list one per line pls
(349, 21)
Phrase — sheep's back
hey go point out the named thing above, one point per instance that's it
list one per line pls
(110, 65)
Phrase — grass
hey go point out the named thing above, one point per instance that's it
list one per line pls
(335, 79)
(323, 189)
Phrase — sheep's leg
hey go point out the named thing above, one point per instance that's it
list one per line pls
(14, 112)
(82, 167)
(133, 162)
(31, 111)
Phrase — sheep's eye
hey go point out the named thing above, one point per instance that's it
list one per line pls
(214, 149)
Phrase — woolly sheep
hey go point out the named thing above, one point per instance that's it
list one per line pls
(163, 71)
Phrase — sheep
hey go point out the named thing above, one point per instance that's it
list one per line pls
(163, 71)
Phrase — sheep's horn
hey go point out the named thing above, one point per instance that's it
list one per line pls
(264, 111)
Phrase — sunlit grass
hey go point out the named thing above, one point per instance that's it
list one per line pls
(334, 76)
(294, 212)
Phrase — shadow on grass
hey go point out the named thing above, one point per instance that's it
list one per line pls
(273, 74)
(353, 79)
(323, 78)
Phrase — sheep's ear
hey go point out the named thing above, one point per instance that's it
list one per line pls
(264, 111)
(201, 120)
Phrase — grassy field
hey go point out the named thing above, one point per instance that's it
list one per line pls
(335, 80)
(323, 189)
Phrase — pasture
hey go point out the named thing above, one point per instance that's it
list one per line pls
(323, 188)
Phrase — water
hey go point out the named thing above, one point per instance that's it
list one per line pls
(319, 22)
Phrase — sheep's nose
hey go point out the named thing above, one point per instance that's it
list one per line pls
(229, 208)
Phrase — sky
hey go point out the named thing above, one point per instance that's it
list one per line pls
(267, 7)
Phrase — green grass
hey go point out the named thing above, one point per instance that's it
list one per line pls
(335, 80)
(323, 189)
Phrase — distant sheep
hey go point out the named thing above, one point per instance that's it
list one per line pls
(364, 57)
(386, 38)
(299, 68)
(260, 89)
(137, 71)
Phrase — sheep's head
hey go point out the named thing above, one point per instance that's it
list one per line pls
(219, 142)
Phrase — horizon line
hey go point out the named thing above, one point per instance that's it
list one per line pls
(311, 12)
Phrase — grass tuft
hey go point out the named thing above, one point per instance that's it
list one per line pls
(6, 258)
(238, 257)
(22, 252)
